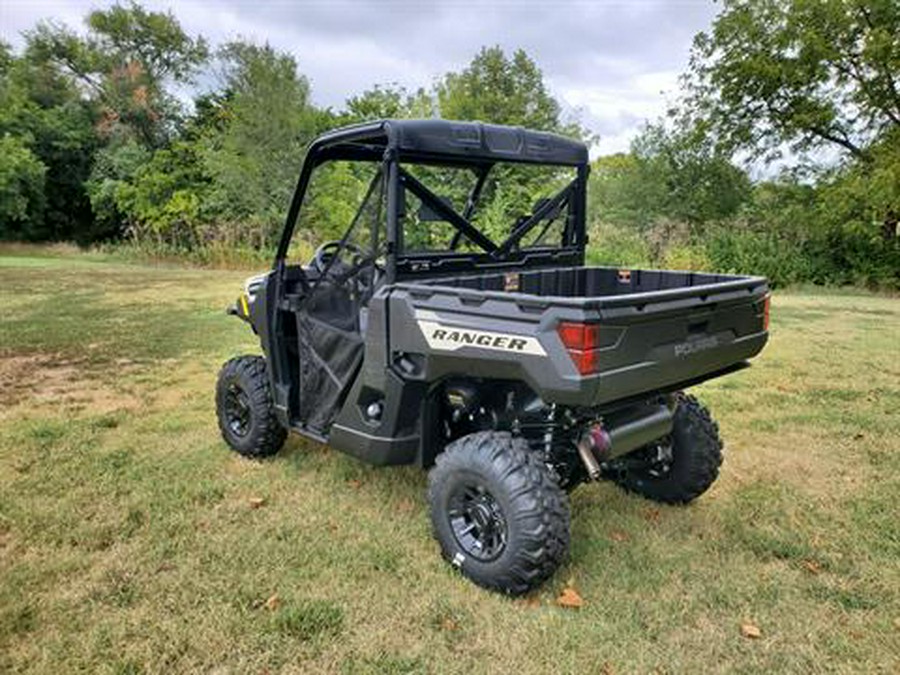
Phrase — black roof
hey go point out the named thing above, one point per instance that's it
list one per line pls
(450, 140)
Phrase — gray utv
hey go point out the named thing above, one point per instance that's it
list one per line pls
(455, 326)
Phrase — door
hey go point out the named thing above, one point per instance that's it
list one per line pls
(331, 315)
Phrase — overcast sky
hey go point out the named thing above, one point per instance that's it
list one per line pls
(616, 62)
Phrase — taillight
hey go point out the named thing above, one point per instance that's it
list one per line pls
(581, 341)
(766, 302)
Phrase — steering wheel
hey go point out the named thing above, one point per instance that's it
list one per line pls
(323, 263)
(322, 258)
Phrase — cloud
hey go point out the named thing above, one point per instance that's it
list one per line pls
(615, 62)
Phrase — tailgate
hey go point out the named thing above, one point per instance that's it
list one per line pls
(652, 341)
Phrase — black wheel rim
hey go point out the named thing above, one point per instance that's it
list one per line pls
(237, 410)
(477, 522)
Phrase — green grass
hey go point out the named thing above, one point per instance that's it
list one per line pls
(128, 543)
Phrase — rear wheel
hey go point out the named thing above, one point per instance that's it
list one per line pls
(683, 466)
(498, 512)
(244, 407)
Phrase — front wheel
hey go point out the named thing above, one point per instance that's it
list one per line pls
(681, 467)
(244, 407)
(498, 513)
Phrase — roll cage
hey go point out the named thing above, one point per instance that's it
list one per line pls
(472, 145)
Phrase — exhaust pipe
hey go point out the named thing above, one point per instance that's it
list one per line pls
(594, 442)
(600, 443)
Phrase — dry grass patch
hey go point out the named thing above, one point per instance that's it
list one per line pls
(52, 381)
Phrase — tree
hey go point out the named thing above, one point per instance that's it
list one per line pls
(699, 182)
(21, 190)
(267, 122)
(672, 172)
(124, 63)
(499, 89)
(46, 114)
(803, 73)
(624, 192)
(502, 90)
(6, 57)
(386, 102)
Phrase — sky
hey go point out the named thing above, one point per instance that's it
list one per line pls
(613, 64)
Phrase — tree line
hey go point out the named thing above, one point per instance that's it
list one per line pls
(98, 142)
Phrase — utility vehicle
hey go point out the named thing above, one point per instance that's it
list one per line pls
(455, 326)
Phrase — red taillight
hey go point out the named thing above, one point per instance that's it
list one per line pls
(579, 336)
(587, 362)
(581, 341)
(766, 303)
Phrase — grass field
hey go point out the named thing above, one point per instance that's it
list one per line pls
(132, 541)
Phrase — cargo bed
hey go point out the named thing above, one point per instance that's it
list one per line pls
(657, 329)
(599, 284)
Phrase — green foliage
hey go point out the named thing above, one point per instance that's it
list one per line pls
(806, 73)
(503, 89)
(126, 60)
(833, 232)
(22, 178)
(669, 173)
(267, 120)
(164, 199)
(498, 89)
(115, 166)
(770, 76)
(389, 102)
(336, 192)
(623, 192)
(46, 114)
(153, 39)
(697, 183)
(618, 246)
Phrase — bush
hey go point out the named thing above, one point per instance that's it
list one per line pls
(687, 257)
(612, 245)
(835, 257)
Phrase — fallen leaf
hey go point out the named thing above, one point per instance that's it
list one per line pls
(811, 566)
(606, 668)
(256, 502)
(273, 603)
(405, 505)
(618, 535)
(354, 483)
(858, 436)
(569, 598)
(531, 601)
(449, 624)
(751, 630)
(652, 515)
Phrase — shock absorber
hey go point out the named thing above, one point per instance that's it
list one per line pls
(548, 432)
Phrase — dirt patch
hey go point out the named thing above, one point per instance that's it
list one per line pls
(52, 380)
